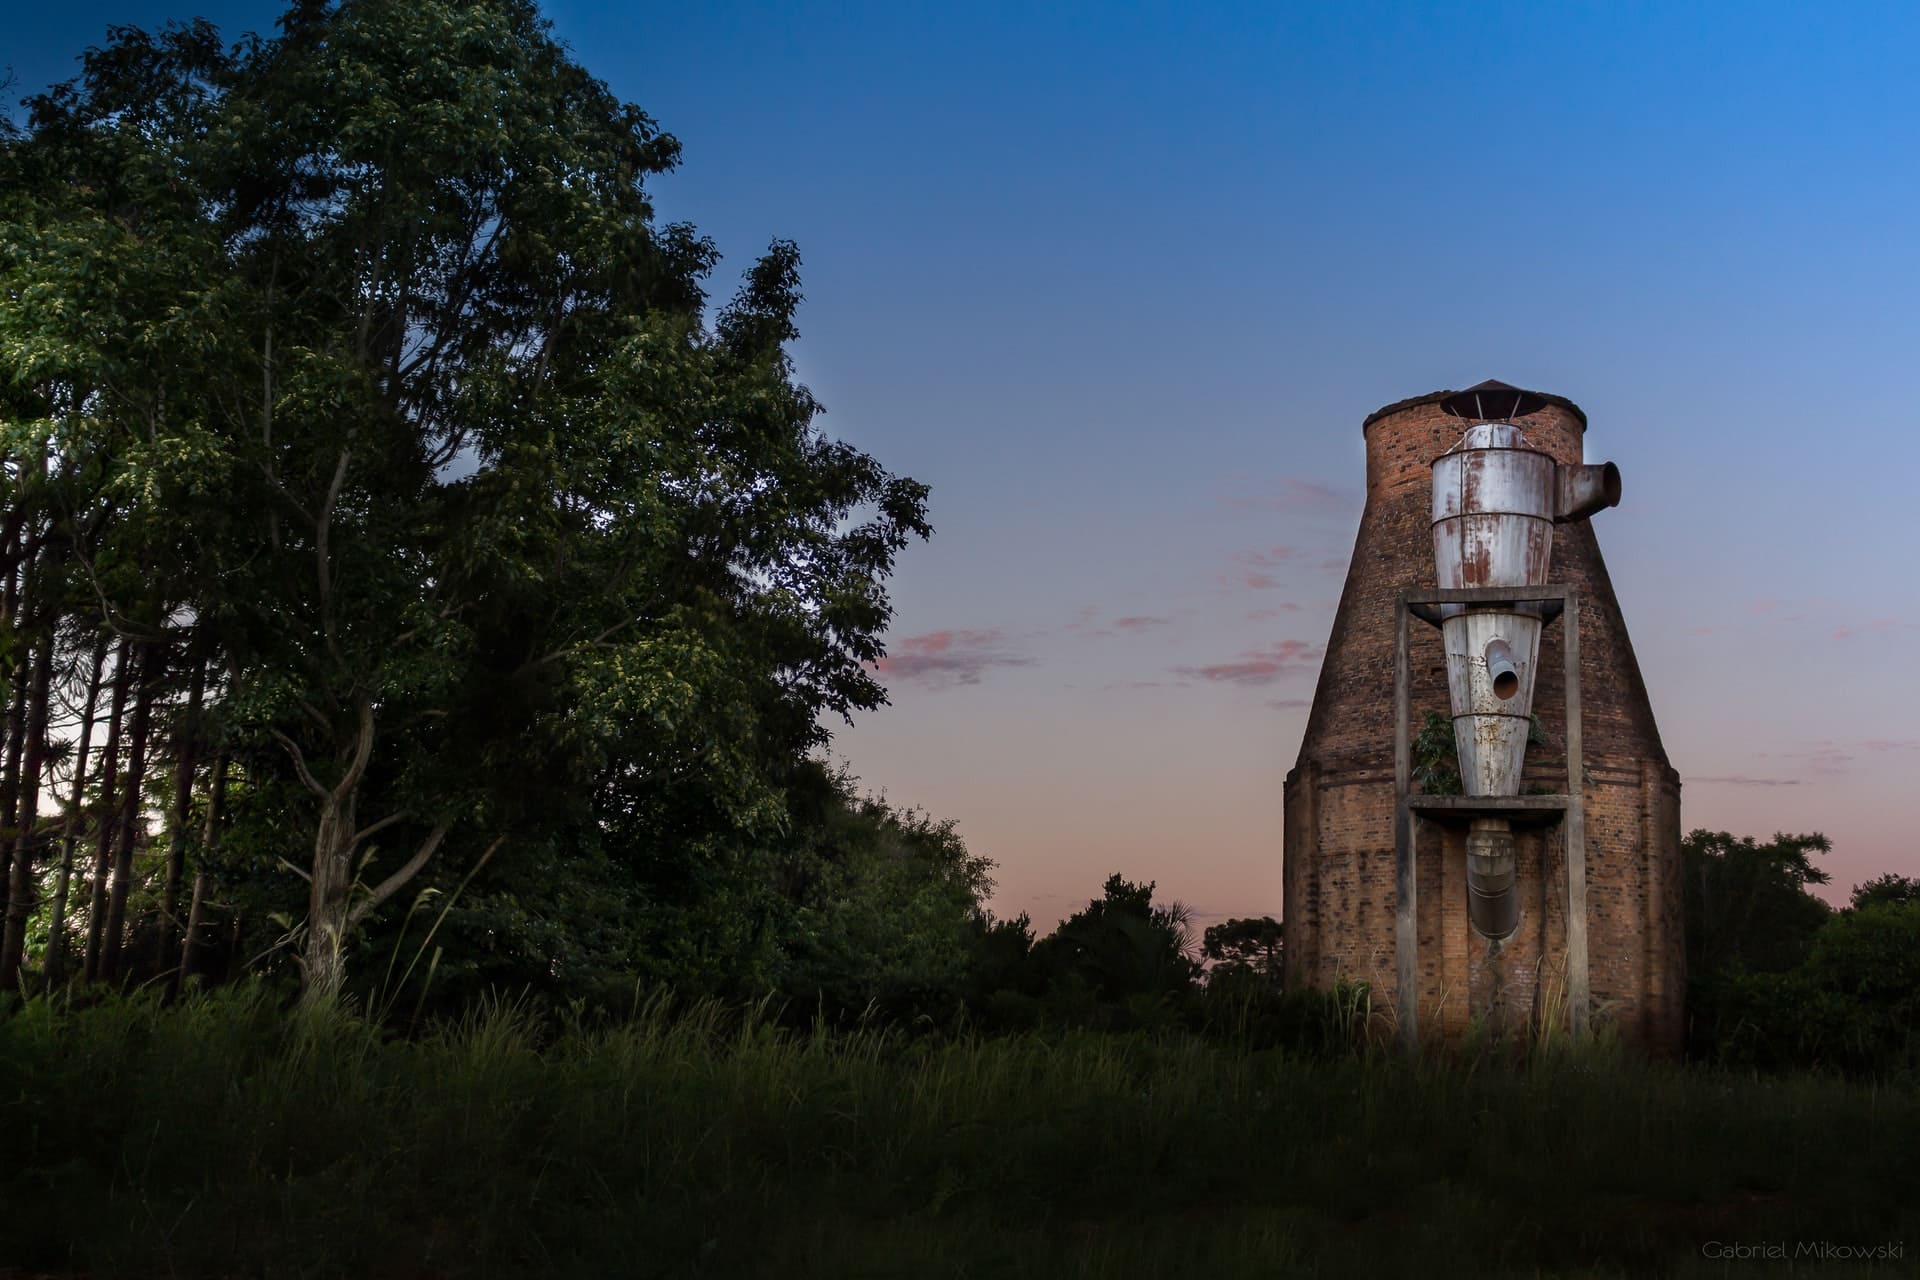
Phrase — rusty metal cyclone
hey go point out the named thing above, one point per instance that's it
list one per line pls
(1495, 502)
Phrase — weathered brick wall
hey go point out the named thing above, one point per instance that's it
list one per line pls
(1338, 858)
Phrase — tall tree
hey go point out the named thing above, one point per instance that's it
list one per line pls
(209, 835)
(75, 820)
(108, 807)
(1122, 945)
(414, 405)
(21, 881)
(188, 733)
(149, 667)
(1748, 904)
(1250, 946)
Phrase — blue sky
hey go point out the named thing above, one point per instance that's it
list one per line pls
(1120, 283)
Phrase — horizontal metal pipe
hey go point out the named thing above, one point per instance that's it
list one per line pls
(1585, 490)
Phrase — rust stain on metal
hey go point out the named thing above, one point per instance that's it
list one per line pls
(1477, 571)
(1539, 551)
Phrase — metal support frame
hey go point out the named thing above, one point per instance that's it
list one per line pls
(1408, 810)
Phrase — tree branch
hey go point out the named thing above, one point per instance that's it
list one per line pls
(407, 871)
(362, 751)
(321, 528)
(286, 496)
(299, 763)
(575, 645)
(385, 822)
(314, 713)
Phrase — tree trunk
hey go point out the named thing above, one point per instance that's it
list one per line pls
(108, 807)
(10, 781)
(190, 935)
(20, 883)
(331, 913)
(76, 822)
(186, 749)
(324, 958)
(209, 833)
(16, 710)
(150, 663)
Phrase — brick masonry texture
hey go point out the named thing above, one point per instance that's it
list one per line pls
(1338, 856)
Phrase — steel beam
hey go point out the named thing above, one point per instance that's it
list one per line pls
(1406, 937)
(1576, 828)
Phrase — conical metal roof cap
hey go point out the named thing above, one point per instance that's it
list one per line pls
(1494, 395)
(1493, 401)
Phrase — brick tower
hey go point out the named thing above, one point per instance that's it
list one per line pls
(1339, 840)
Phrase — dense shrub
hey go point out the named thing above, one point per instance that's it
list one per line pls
(1853, 1005)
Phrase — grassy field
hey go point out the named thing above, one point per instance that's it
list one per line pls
(222, 1138)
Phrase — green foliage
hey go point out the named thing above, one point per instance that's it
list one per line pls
(1251, 946)
(700, 1139)
(1749, 920)
(884, 905)
(1244, 1008)
(360, 347)
(1854, 1005)
(1747, 903)
(1436, 758)
(1244, 1001)
(1887, 888)
(1121, 960)
(1778, 979)
(857, 910)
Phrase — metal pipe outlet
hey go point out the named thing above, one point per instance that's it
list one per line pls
(1584, 490)
(1500, 668)
(1493, 907)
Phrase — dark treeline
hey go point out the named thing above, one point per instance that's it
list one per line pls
(1778, 978)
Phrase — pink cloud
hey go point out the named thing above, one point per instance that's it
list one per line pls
(1250, 571)
(1292, 493)
(941, 658)
(1769, 608)
(1827, 758)
(1288, 704)
(1259, 666)
(1877, 627)
(1140, 622)
(1741, 780)
(1085, 619)
(1271, 612)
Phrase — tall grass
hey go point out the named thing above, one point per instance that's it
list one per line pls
(224, 1138)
